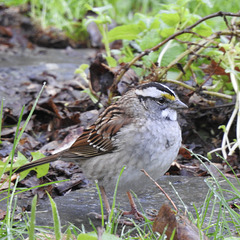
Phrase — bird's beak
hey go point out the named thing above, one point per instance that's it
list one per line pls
(178, 104)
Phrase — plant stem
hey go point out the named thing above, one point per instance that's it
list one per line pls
(1, 116)
(236, 112)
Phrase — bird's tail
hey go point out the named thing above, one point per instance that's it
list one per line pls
(38, 162)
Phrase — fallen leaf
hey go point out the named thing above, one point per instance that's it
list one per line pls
(2, 214)
(185, 230)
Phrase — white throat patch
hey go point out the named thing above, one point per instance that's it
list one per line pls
(170, 114)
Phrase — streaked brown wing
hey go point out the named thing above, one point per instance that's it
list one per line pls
(96, 140)
(82, 148)
(99, 138)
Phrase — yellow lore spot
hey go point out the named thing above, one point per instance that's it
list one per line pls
(169, 96)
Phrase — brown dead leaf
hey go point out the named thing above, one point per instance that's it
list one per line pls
(2, 214)
(185, 230)
(5, 185)
(185, 153)
(5, 31)
(196, 99)
(214, 69)
(166, 217)
(129, 79)
(4, 181)
(101, 77)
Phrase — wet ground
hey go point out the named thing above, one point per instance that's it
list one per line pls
(75, 206)
(15, 71)
(78, 207)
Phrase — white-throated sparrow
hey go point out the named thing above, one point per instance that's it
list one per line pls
(139, 131)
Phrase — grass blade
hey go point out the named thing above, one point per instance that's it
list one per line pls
(1, 115)
(32, 219)
(56, 219)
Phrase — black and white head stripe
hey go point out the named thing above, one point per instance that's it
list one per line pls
(155, 91)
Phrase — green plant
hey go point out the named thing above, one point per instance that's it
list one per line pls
(1, 115)
(102, 20)
(222, 220)
(230, 61)
(18, 135)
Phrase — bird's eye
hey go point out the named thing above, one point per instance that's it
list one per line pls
(160, 100)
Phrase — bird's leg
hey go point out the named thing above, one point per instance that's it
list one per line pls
(106, 204)
(105, 200)
(139, 216)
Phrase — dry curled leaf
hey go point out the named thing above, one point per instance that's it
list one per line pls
(185, 230)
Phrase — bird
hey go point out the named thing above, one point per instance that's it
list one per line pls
(139, 131)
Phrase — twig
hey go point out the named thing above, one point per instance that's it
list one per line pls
(167, 196)
(217, 94)
(192, 49)
(180, 84)
(217, 14)
(100, 231)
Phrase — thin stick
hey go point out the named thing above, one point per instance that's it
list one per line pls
(167, 196)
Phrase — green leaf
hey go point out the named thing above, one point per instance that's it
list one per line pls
(128, 32)
(151, 39)
(87, 236)
(155, 24)
(171, 53)
(41, 170)
(111, 61)
(208, 3)
(150, 59)
(223, 127)
(166, 32)
(21, 160)
(15, 2)
(37, 155)
(203, 29)
(81, 69)
(170, 18)
(93, 97)
(93, 236)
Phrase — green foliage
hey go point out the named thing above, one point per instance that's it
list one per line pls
(41, 170)
(93, 236)
(153, 23)
(81, 71)
(126, 32)
(222, 217)
(144, 24)
(90, 94)
(14, 2)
